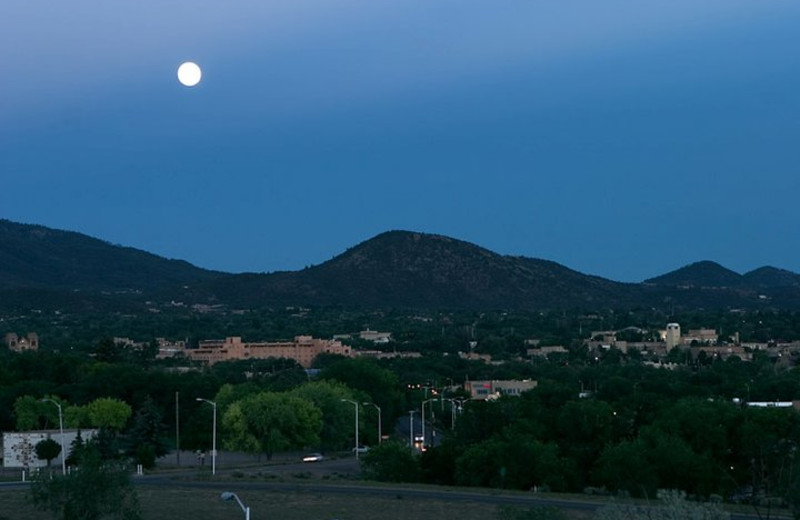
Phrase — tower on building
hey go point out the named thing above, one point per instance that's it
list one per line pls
(673, 336)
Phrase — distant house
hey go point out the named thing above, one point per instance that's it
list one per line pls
(546, 351)
(774, 404)
(380, 354)
(702, 336)
(375, 336)
(487, 390)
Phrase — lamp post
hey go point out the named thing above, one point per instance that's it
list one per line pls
(354, 403)
(452, 413)
(213, 438)
(411, 428)
(380, 429)
(227, 496)
(61, 431)
(423, 421)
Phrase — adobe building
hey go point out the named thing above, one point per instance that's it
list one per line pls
(303, 350)
(18, 344)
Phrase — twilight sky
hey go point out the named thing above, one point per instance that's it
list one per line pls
(623, 139)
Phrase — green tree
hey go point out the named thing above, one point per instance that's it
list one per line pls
(146, 436)
(584, 428)
(337, 420)
(512, 461)
(47, 449)
(95, 490)
(364, 374)
(76, 450)
(32, 413)
(269, 422)
(77, 417)
(109, 413)
(625, 466)
(390, 461)
(27, 410)
(108, 351)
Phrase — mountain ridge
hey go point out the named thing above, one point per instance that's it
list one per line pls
(395, 268)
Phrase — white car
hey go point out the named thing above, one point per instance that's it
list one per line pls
(313, 457)
(361, 449)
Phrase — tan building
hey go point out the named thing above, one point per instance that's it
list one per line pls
(546, 351)
(303, 350)
(722, 352)
(17, 344)
(703, 336)
(494, 389)
(375, 336)
(672, 336)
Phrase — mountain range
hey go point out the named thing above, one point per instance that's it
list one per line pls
(47, 268)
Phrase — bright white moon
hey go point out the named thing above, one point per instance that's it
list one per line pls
(189, 74)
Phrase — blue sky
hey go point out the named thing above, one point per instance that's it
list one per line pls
(623, 139)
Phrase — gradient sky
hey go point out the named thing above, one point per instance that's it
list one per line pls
(623, 139)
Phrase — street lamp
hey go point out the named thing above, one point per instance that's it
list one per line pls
(61, 430)
(461, 404)
(354, 403)
(411, 428)
(213, 439)
(227, 496)
(380, 430)
(452, 413)
(423, 421)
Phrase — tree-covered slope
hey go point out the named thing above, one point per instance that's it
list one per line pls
(36, 256)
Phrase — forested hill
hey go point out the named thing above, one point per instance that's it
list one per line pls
(407, 269)
(48, 259)
(46, 268)
(711, 274)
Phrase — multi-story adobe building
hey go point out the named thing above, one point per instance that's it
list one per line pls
(302, 349)
(17, 344)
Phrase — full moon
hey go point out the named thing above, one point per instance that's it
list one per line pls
(189, 74)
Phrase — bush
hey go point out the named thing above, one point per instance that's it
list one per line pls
(673, 505)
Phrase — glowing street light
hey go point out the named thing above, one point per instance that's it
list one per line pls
(227, 496)
(213, 437)
(61, 430)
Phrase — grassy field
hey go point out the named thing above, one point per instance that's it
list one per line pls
(204, 504)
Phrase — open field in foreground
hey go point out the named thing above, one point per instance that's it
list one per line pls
(162, 503)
